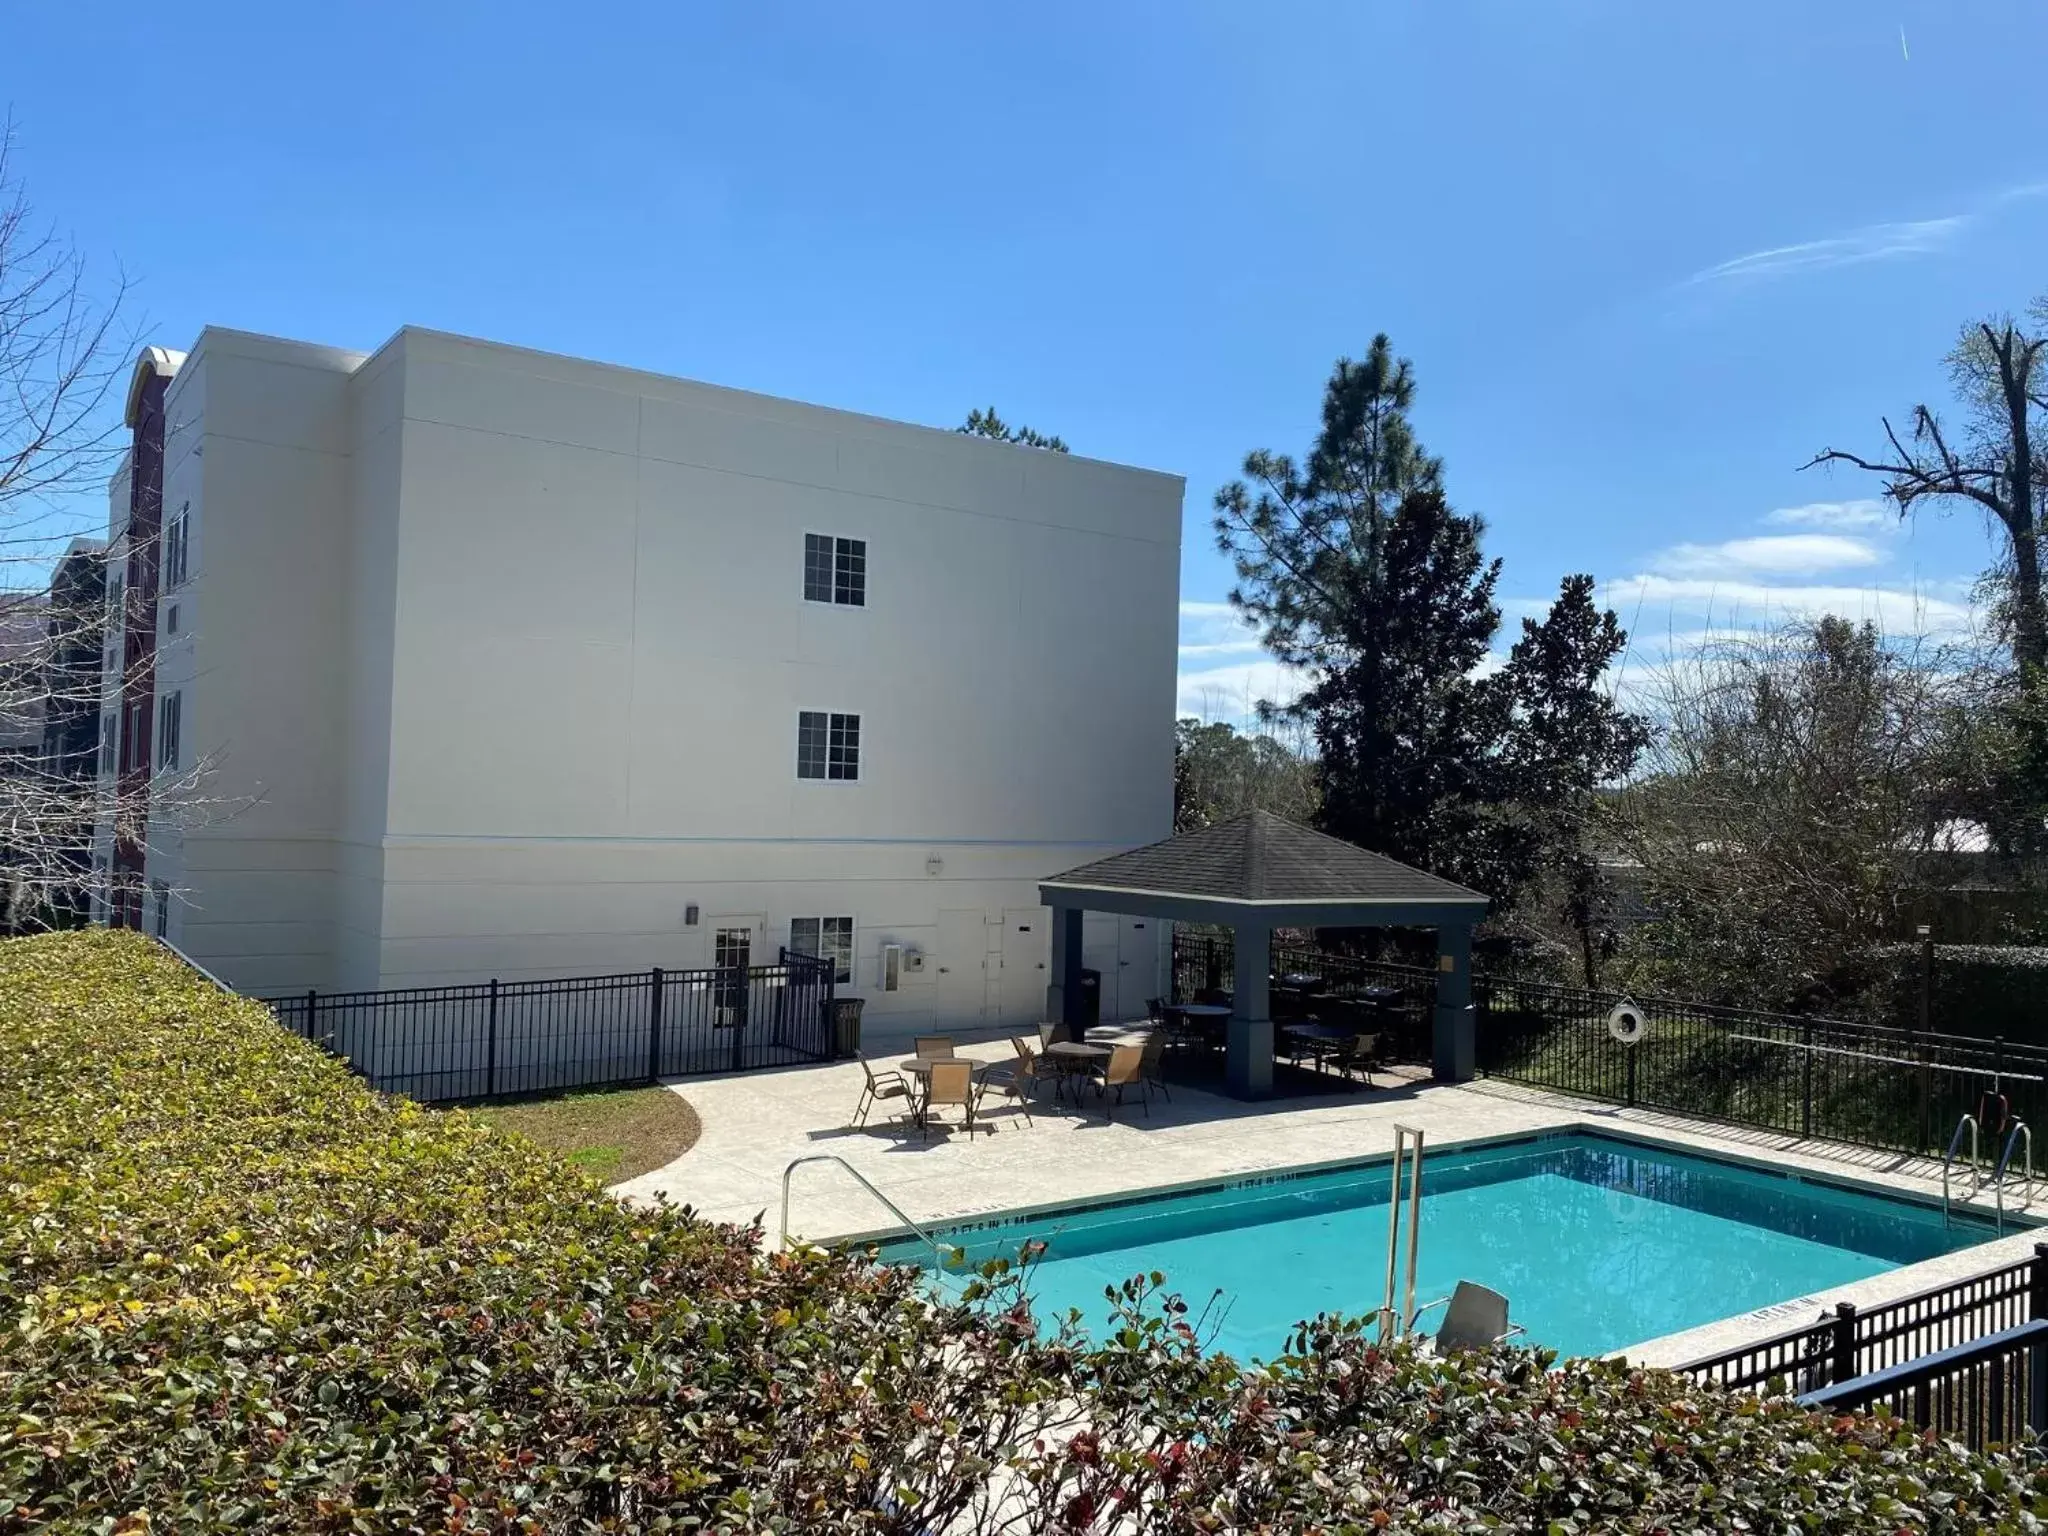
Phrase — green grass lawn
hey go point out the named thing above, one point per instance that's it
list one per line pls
(610, 1134)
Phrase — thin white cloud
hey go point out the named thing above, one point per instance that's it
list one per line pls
(1232, 693)
(1780, 554)
(1874, 242)
(1836, 515)
(2023, 192)
(1215, 629)
(1690, 603)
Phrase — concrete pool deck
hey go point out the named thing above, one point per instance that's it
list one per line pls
(755, 1124)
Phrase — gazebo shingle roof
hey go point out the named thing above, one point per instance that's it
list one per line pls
(1260, 857)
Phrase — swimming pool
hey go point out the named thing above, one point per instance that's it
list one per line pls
(1597, 1241)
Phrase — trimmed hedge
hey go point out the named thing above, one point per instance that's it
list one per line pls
(1985, 990)
(244, 1291)
(240, 1291)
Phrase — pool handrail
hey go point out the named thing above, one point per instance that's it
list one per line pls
(1955, 1143)
(2018, 1136)
(1390, 1316)
(782, 1236)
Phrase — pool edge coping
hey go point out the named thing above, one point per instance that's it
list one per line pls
(1665, 1351)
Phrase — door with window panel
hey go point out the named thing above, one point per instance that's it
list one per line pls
(732, 951)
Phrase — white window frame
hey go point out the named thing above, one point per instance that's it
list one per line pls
(843, 960)
(834, 602)
(170, 720)
(859, 745)
(177, 562)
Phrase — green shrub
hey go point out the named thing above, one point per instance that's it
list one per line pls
(243, 1290)
(240, 1291)
(1986, 990)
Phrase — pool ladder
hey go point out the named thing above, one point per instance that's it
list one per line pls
(2018, 1139)
(1408, 1150)
(939, 1252)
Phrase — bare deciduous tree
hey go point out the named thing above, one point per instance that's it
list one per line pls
(1996, 461)
(61, 361)
(1795, 798)
(64, 351)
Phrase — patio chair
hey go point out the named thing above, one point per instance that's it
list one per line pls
(952, 1082)
(1155, 1009)
(1019, 1079)
(887, 1084)
(1054, 1034)
(1474, 1318)
(1154, 1058)
(1292, 1045)
(1125, 1073)
(1357, 1055)
(1031, 1070)
(933, 1047)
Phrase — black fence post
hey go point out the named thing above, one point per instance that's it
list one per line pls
(1806, 1079)
(1842, 1358)
(830, 1012)
(654, 1027)
(312, 1002)
(2037, 1389)
(2037, 1357)
(491, 1043)
(1629, 1055)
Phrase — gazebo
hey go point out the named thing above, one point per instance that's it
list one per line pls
(1253, 874)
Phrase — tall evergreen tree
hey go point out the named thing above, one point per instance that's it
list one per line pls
(1356, 568)
(1403, 720)
(987, 423)
(1567, 737)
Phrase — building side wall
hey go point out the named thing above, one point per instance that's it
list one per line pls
(601, 647)
(263, 477)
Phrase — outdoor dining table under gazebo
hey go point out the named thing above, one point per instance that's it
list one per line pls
(1253, 874)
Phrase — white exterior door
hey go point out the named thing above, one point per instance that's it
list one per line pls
(1026, 956)
(960, 990)
(1137, 967)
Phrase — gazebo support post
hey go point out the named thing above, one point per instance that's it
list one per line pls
(1248, 1062)
(1063, 996)
(1454, 1053)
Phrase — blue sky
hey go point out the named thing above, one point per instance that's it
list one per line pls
(1647, 258)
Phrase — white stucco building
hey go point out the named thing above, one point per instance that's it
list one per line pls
(504, 664)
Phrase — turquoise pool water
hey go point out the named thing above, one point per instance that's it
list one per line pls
(1597, 1242)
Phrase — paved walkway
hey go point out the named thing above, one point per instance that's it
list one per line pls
(755, 1124)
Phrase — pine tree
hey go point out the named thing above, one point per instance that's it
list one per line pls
(988, 424)
(1356, 568)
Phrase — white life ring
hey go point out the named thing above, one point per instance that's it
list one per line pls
(1626, 1022)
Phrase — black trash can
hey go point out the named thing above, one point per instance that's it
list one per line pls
(1090, 1000)
(846, 1026)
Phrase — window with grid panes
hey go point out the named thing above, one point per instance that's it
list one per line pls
(828, 937)
(827, 745)
(835, 570)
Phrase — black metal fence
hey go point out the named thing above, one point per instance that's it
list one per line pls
(1987, 1393)
(502, 1038)
(1846, 1343)
(1864, 1084)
